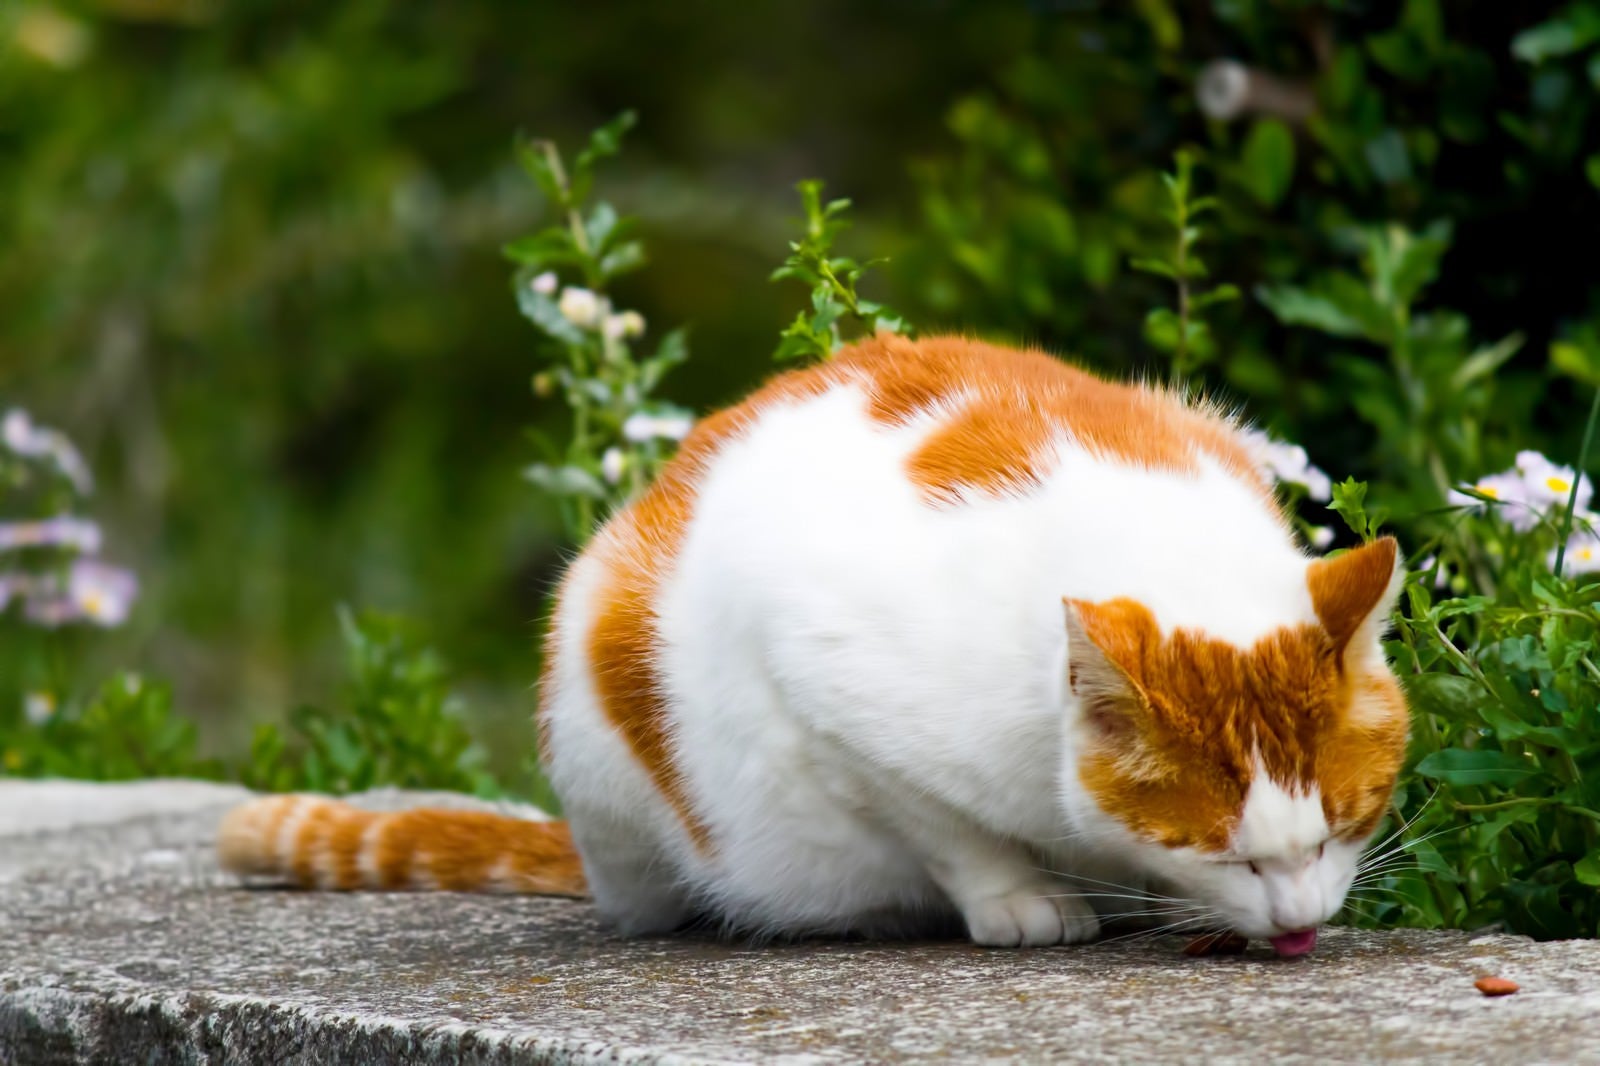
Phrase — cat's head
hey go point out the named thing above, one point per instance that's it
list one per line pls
(1247, 779)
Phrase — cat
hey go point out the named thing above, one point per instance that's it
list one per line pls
(935, 631)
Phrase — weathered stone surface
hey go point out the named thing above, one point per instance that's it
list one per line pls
(120, 941)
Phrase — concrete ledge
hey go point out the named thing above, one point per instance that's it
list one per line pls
(120, 941)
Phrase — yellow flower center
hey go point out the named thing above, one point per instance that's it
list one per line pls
(94, 605)
(1557, 484)
(1489, 491)
(1586, 554)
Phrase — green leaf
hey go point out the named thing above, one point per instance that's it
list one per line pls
(1577, 360)
(1449, 696)
(1574, 29)
(1269, 161)
(600, 224)
(553, 247)
(1587, 869)
(566, 480)
(535, 158)
(1163, 329)
(1349, 502)
(603, 143)
(1219, 295)
(1149, 265)
(1403, 263)
(625, 257)
(1331, 313)
(1460, 766)
(1485, 361)
(1387, 157)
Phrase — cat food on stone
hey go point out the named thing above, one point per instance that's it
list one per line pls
(1495, 986)
(1216, 944)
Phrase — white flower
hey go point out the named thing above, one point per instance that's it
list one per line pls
(612, 465)
(1549, 485)
(642, 427)
(1289, 463)
(1508, 489)
(1441, 576)
(18, 433)
(38, 707)
(62, 531)
(625, 324)
(580, 307)
(1583, 553)
(1321, 537)
(545, 284)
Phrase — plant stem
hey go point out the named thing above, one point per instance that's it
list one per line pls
(1577, 479)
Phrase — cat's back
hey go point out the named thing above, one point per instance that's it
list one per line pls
(904, 470)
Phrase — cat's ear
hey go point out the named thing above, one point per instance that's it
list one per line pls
(1103, 649)
(1354, 593)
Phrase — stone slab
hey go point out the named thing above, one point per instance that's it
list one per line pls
(121, 941)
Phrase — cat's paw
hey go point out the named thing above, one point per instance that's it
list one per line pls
(1031, 918)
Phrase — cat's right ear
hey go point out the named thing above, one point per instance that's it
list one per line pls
(1111, 697)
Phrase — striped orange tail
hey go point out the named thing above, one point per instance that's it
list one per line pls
(321, 843)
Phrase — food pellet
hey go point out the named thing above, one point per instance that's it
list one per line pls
(1495, 986)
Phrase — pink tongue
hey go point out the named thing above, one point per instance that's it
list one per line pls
(1297, 943)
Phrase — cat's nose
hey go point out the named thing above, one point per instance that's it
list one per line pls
(1294, 900)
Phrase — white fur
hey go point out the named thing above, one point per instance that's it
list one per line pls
(867, 691)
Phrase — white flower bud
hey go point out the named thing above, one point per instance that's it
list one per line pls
(580, 307)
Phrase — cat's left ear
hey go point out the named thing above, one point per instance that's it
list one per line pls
(1354, 594)
(1105, 642)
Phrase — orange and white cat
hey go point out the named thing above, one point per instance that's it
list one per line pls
(937, 629)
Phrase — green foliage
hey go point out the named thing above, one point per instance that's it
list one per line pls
(1350, 503)
(1183, 334)
(1500, 801)
(396, 724)
(620, 432)
(832, 281)
(126, 730)
(1431, 399)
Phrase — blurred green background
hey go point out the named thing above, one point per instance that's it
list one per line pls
(251, 257)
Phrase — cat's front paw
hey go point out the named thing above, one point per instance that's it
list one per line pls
(1031, 918)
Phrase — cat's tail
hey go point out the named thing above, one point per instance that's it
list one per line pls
(315, 842)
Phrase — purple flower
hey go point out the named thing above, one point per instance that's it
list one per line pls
(18, 432)
(93, 592)
(62, 531)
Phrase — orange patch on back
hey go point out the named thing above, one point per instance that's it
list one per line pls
(1008, 406)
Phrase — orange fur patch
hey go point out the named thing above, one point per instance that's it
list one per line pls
(459, 850)
(1005, 408)
(1177, 749)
